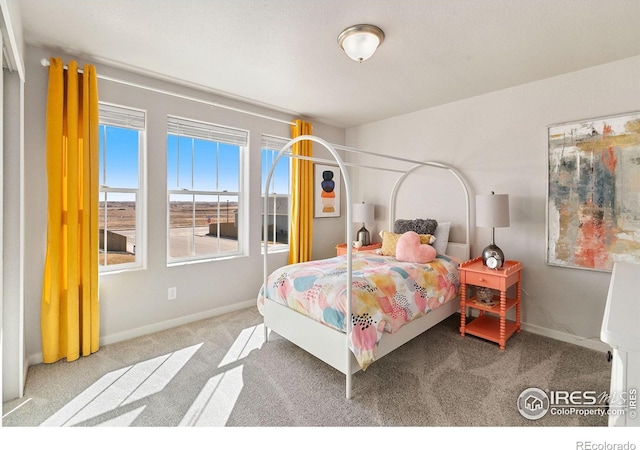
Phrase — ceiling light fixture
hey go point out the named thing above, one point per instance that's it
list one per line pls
(359, 42)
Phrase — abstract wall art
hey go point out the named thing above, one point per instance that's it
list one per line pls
(593, 204)
(327, 191)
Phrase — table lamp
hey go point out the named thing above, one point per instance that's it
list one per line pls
(363, 213)
(492, 211)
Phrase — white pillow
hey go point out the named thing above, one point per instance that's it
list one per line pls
(442, 237)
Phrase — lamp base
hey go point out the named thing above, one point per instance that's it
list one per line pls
(363, 236)
(492, 256)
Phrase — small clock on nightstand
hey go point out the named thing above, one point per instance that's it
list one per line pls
(494, 260)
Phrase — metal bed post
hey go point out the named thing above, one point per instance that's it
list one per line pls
(349, 237)
(454, 172)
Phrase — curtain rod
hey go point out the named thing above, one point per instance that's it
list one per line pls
(46, 63)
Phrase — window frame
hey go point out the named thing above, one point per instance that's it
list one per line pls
(240, 194)
(139, 192)
(274, 144)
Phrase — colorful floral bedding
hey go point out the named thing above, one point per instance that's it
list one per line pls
(386, 294)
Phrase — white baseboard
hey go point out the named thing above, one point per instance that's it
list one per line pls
(590, 343)
(160, 326)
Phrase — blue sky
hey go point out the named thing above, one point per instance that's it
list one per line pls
(122, 164)
(280, 177)
(121, 158)
(195, 166)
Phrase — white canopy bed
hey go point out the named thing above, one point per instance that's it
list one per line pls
(334, 345)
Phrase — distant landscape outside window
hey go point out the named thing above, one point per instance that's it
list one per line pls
(121, 133)
(278, 198)
(203, 190)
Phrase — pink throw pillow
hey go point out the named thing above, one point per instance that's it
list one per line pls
(409, 249)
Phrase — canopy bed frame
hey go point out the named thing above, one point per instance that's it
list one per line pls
(328, 344)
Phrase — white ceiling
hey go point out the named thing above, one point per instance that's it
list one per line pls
(284, 53)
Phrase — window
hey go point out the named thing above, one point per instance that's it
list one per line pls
(121, 154)
(203, 182)
(278, 207)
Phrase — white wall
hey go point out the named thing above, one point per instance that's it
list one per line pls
(499, 142)
(12, 289)
(12, 350)
(134, 303)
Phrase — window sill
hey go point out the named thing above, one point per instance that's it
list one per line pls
(273, 251)
(121, 270)
(188, 262)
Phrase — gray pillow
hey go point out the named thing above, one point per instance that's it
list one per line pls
(420, 226)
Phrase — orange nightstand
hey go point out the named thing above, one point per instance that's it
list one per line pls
(491, 323)
(341, 249)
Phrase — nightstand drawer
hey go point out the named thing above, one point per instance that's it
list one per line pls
(341, 249)
(481, 279)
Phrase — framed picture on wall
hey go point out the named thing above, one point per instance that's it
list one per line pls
(593, 202)
(326, 191)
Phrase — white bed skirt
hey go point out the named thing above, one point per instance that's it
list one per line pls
(329, 344)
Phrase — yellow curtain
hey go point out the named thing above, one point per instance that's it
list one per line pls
(301, 226)
(70, 316)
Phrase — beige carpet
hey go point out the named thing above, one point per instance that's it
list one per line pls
(218, 372)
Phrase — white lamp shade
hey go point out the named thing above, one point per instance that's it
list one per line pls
(362, 212)
(492, 210)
